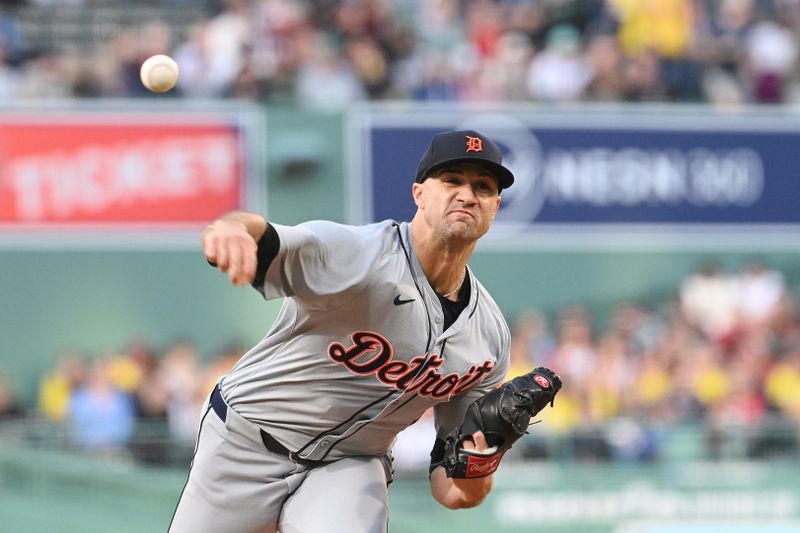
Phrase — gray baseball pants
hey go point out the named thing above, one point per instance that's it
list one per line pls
(236, 485)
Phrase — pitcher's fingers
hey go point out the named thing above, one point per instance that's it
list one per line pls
(235, 263)
(210, 250)
(249, 264)
(222, 256)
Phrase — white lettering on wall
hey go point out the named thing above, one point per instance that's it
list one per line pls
(96, 178)
(614, 505)
(633, 176)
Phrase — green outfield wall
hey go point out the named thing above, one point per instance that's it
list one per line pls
(82, 495)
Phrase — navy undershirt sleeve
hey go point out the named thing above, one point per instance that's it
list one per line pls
(268, 247)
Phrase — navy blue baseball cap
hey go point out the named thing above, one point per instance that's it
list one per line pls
(464, 146)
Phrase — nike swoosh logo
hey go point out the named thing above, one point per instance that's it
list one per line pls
(398, 301)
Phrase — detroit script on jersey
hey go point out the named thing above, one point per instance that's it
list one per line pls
(371, 353)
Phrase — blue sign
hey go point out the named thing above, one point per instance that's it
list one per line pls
(662, 169)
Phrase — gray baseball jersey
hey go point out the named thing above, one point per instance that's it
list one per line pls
(358, 352)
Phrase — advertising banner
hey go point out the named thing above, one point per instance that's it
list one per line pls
(144, 172)
(615, 171)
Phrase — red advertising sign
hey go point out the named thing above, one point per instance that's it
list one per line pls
(116, 171)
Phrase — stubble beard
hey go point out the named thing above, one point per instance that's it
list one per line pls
(459, 232)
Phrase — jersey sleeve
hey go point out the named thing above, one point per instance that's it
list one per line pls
(316, 262)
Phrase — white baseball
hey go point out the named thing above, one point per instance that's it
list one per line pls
(159, 73)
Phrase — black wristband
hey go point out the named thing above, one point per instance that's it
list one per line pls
(268, 247)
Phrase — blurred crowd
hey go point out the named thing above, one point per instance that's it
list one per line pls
(327, 54)
(138, 402)
(711, 372)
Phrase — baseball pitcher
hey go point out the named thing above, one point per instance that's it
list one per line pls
(378, 323)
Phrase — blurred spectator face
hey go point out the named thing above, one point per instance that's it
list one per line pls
(640, 74)
(574, 328)
(368, 61)
(603, 55)
(723, 89)
(155, 38)
(283, 16)
(7, 403)
(100, 377)
(611, 348)
(526, 17)
(514, 48)
(325, 81)
(441, 14)
(735, 14)
(352, 18)
(236, 5)
(123, 47)
(73, 367)
(626, 318)
(438, 68)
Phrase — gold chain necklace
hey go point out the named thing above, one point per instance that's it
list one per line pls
(460, 282)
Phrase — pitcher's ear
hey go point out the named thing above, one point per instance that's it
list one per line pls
(416, 193)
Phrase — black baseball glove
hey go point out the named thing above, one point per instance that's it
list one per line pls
(503, 415)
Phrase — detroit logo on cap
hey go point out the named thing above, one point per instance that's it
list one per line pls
(474, 144)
